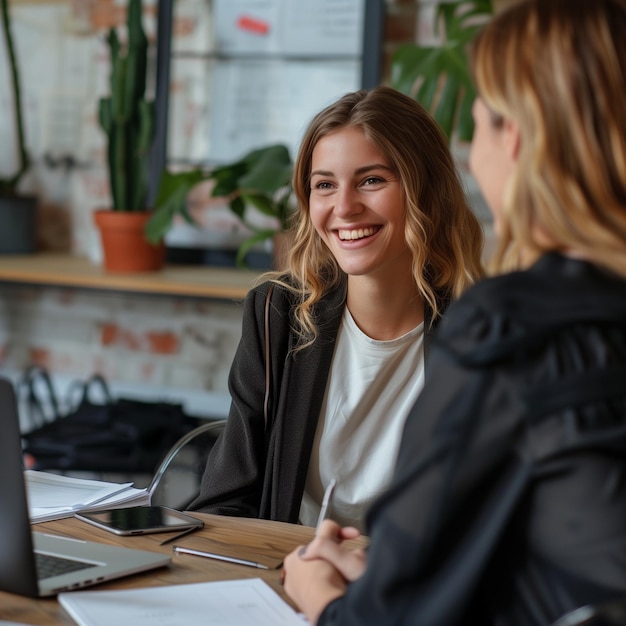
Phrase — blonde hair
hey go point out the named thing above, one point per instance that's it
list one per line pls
(558, 69)
(442, 233)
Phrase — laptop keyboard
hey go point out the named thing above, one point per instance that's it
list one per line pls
(48, 565)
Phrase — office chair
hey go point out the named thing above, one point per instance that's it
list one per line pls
(608, 614)
(176, 482)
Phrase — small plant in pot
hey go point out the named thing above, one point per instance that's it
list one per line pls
(261, 180)
(128, 120)
(18, 212)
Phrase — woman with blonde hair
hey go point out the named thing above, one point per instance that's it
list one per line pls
(508, 502)
(333, 350)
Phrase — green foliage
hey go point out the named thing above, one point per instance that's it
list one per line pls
(127, 117)
(261, 179)
(439, 76)
(8, 186)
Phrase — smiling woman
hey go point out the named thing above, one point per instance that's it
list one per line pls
(383, 240)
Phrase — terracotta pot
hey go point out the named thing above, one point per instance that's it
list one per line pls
(124, 244)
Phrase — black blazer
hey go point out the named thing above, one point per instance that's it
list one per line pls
(255, 471)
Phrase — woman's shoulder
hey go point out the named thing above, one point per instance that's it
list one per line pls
(498, 315)
(279, 289)
(483, 316)
(284, 288)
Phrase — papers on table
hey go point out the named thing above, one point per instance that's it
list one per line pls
(222, 603)
(51, 496)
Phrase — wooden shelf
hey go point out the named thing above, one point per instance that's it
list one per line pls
(72, 271)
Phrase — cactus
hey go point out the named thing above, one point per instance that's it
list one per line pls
(127, 117)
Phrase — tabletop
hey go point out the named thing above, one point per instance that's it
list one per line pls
(262, 541)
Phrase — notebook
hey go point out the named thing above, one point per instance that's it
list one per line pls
(24, 553)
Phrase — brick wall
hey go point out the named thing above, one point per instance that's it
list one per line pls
(157, 346)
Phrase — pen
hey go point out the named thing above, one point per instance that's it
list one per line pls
(325, 510)
(218, 557)
(324, 513)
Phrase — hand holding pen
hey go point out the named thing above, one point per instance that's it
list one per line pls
(326, 502)
(324, 513)
(328, 541)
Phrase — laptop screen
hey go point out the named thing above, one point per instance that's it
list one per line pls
(17, 563)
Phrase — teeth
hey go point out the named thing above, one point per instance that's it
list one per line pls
(359, 233)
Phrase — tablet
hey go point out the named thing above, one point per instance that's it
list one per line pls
(140, 520)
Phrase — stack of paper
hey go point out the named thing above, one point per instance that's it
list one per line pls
(222, 603)
(51, 496)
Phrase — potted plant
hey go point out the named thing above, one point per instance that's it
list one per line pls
(128, 120)
(17, 212)
(260, 179)
(439, 76)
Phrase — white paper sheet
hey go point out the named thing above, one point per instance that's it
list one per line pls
(222, 603)
(51, 496)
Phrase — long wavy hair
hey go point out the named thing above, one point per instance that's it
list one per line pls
(441, 231)
(558, 69)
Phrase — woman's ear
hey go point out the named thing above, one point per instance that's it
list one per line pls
(512, 139)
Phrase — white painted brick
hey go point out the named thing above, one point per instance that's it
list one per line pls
(67, 324)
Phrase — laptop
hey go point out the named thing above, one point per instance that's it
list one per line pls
(37, 564)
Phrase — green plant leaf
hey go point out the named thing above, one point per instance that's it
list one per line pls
(446, 110)
(260, 179)
(238, 207)
(269, 169)
(248, 244)
(439, 77)
(226, 181)
(405, 67)
(261, 202)
(465, 121)
(170, 184)
(171, 200)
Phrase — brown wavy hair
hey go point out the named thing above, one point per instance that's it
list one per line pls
(558, 69)
(442, 232)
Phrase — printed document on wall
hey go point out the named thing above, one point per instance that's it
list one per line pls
(316, 28)
(265, 102)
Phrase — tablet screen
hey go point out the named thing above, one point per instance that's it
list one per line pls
(141, 519)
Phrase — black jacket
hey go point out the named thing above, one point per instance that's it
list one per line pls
(255, 471)
(515, 512)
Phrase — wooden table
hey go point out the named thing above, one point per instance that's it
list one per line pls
(257, 540)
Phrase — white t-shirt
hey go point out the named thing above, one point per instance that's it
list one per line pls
(371, 388)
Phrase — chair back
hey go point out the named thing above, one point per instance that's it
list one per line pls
(176, 482)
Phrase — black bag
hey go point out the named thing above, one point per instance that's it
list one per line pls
(123, 435)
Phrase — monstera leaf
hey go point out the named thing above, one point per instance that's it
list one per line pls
(438, 76)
